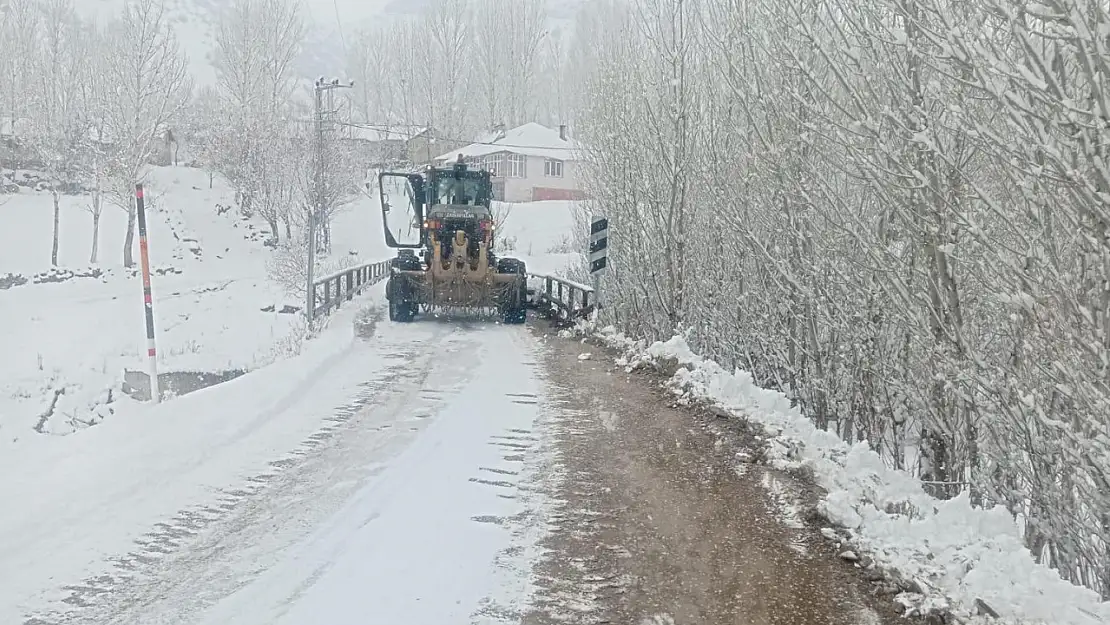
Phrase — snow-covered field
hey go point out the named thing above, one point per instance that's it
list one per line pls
(68, 343)
(542, 234)
(953, 553)
(86, 497)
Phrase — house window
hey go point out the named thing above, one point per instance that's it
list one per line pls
(494, 163)
(553, 168)
(517, 166)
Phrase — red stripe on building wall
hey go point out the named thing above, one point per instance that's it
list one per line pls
(541, 194)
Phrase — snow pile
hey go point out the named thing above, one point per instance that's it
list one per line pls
(948, 554)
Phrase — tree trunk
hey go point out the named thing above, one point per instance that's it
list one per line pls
(129, 240)
(95, 239)
(95, 229)
(57, 211)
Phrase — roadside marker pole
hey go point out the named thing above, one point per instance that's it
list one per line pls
(599, 254)
(148, 302)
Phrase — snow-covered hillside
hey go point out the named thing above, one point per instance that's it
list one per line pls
(67, 343)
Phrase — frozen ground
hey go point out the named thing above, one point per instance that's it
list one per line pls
(67, 344)
(953, 554)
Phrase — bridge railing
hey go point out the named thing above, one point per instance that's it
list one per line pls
(559, 298)
(341, 286)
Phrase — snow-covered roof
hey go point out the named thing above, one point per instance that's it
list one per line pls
(531, 139)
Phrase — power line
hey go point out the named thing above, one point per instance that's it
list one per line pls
(339, 26)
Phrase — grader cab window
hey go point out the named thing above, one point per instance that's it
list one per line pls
(457, 191)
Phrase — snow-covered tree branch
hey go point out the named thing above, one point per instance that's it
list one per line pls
(900, 212)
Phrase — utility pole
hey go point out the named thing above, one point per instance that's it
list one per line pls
(319, 195)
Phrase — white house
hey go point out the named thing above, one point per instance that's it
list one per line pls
(527, 164)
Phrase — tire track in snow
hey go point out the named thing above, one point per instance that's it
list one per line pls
(532, 472)
(194, 541)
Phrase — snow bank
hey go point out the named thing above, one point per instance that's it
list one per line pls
(79, 499)
(952, 553)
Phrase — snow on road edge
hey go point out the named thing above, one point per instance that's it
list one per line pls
(954, 553)
(82, 499)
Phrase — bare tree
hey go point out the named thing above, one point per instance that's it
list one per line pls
(370, 64)
(20, 28)
(908, 227)
(148, 85)
(256, 44)
(95, 155)
(60, 130)
(507, 40)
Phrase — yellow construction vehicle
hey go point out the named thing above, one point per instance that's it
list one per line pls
(444, 213)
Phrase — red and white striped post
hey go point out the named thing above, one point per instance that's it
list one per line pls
(144, 259)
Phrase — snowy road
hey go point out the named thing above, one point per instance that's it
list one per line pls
(481, 474)
(411, 505)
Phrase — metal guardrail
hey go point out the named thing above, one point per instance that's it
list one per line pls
(556, 298)
(333, 289)
(561, 299)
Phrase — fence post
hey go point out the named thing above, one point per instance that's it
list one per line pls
(350, 285)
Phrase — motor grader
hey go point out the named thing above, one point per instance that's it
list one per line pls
(444, 214)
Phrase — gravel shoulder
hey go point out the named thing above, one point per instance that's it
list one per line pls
(659, 523)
